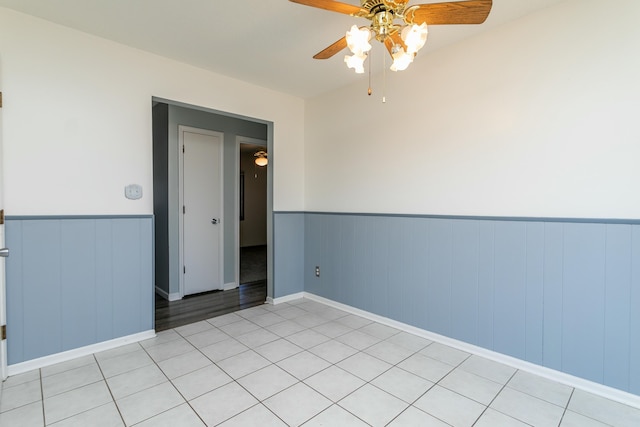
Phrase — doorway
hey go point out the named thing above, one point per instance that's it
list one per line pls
(170, 302)
(251, 236)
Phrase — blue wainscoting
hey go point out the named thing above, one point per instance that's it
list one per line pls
(288, 257)
(558, 293)
(76, 281)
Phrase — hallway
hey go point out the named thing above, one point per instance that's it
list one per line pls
(194, 308)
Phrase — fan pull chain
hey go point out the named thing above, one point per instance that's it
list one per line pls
(369, 90)
(384, 78)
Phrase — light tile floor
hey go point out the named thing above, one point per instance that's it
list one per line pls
(299, 363)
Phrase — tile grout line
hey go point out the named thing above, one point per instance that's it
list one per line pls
(104, 378)
(44, 419)
(370, 382)
(260, 402)
(302, 381)
(172, 385)
(437, 383)
(234, 380)
(566, 408)
(495, 397)
(332, 364)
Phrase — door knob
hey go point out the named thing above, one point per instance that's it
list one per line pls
(214, 221)
(4, 252)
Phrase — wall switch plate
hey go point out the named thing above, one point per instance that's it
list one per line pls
(317, 271)
(133, 191)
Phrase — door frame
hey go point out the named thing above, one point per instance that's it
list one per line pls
(252, 141)
(172, 190)
(3, 295)
(3, 287)
(181, 130)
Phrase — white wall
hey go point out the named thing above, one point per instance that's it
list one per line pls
(77, 120)
(536, 118)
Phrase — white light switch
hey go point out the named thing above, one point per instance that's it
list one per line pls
(133, 191)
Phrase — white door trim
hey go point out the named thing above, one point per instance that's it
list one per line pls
(236, 203)
(3, 308)
(3, 295)
(181, 130)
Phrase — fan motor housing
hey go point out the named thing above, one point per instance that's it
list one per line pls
(374, 6)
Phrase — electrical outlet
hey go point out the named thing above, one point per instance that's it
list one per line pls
(317, 271)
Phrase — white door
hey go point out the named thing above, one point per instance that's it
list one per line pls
(202, 230)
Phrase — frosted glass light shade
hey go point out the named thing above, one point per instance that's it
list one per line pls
(401, 60)
(262, 161)
(358, 40)
(356, 62)
(414, 37)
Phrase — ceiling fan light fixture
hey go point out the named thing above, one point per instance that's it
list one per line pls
(414, 37)
(358, 40)
(401, 60)
(356, 62)
(261, 158)
(402, 40)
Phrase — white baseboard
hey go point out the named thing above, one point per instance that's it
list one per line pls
(551, 374)
(169, 297)
(286, 298)
(229, 286)
(41, 362)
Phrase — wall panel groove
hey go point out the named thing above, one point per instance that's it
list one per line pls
(561, 294)
(73, 282)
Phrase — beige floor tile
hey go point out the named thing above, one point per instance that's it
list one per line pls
(27, 415)
(204, 380)
(76, 401)
(149, 403)
(373, 405)
(334, 383)
(450, 407)
(223, 403)
(180, 416)
(256, 416)
(297, 404)
(103, 416)
(267, 381)
(20, 395)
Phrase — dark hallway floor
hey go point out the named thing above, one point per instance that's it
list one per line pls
(253, 264)
(193, 308)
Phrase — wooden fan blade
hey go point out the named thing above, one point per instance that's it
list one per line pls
(333, 6)
(332, 50)
(460, 12)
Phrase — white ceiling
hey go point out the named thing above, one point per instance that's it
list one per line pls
(269, 43)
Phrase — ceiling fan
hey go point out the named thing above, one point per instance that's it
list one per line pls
(402, 40)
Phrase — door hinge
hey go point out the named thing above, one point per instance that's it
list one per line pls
(184, 210)
(1, 216)
(3, 332)
(184, 269)
(0, 99)
(183, 148)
